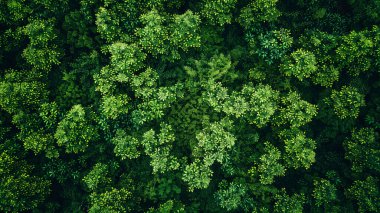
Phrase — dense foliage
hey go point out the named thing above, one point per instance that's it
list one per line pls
(189, 106)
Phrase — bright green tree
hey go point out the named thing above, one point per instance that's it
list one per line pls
(74, 131)
(346, 102)
(301, 64)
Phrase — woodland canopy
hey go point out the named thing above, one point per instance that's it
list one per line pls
(189, 106)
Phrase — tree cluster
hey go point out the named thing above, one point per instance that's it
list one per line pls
(189, 106)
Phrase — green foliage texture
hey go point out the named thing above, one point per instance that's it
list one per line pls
(189, 106)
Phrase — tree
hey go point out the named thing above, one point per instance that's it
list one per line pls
(41, 53)
(22, 89)
(210, 70)
(218, 12)
(214, 142)
(299, 150)
(301, 64)
(323, 46)
(363, 151)
(14, 11)
(295, 111)
(74, 131)
(106, 26)
(116, 21)
(184, 33)
(218, 98)
(154, 35)
(324, 192)
(165, 36)
(355, 51)
(261, 11)
(155, 103)
(159, 147)
(20, 190)
(125, 61)
(49, 113)
(269, 167)
(113, 200)
(197, 175)
(346, 102)
(126, 146)
(286, 203)
(366, 193)
(40, 142)
(271, 46)
(230, 195)
(262, 101)
(168, 206)
(97, 178)
(115, 106)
